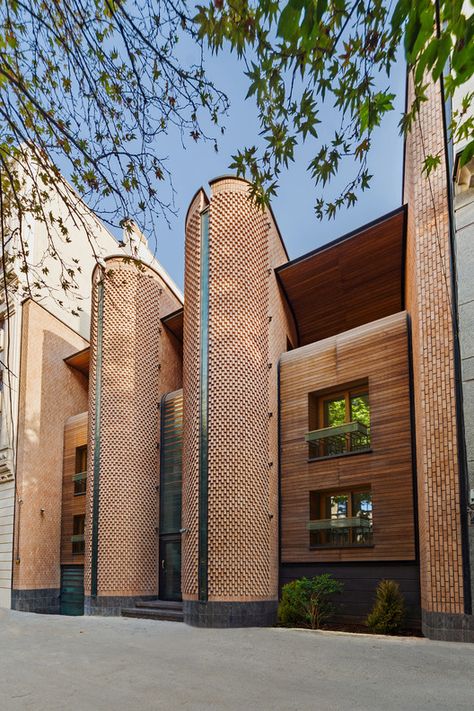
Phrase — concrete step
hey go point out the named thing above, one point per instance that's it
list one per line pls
(160, 604)
(153, 613)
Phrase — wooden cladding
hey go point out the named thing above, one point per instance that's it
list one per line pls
(353, 281)
(73, 504)
(376, 353)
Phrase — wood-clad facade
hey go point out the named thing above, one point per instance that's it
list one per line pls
(376, 353)
(73, 504)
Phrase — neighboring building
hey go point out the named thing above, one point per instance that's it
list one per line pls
(463, 208)
(36, 238)
(289, 418)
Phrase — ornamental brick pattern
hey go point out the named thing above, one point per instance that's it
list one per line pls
(248, 328)
(132, 378)
(239, 467)
(191, 360)
(429, 301)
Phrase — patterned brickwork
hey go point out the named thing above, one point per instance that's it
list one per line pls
(50, 392)
(428, 296)
(248, 327)
(132, 378)
(191, 398)
(239, 516)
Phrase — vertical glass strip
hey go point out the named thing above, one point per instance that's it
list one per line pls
(96, 487)
(203, 407)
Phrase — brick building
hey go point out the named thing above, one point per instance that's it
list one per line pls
(285, 418)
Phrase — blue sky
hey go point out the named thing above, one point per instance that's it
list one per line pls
(198, 163)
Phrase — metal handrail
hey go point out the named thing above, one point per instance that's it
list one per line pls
(346, 428)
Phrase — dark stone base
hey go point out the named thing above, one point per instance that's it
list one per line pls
(261, 613)
(360, 581)
(447, 627)
(111, 605)
(44, 601)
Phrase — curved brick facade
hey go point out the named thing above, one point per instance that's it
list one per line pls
(244, 344)
(132, 380)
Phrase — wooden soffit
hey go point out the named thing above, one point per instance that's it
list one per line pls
(354, 280)
(80, 361)
(174, 322)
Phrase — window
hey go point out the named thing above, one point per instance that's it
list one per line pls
(340, 518)
(339, 422)
(80, 476)
(78, 545)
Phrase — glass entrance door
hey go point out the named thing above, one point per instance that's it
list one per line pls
(170, 496)
(170, 568)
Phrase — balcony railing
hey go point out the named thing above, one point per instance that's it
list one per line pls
(342, 531)
(341, 439)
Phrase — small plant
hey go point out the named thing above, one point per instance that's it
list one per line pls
(307, 601)
(388, 613)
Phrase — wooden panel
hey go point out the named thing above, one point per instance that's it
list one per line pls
(174, 322)
(353, 281)
(75, 435)
(80, 361)
(377, 352)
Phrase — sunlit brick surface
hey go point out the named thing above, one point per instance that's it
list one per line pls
(429, 303)
(189, 579)
(50, 393)
(133, 377)
(247, 333)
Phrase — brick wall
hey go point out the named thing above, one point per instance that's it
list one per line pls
(140, 361)
(50, 393)
(248, 328)
(429, 302)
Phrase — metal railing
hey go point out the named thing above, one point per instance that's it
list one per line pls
(342, 531)
(341, 439)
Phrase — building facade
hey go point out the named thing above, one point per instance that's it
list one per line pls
(285, 418)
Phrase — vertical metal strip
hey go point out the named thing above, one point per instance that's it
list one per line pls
(203, 409)
(96, 487)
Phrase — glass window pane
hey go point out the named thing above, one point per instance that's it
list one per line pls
(337, 506)
(362, 509)
(334, 412)
(360, 410)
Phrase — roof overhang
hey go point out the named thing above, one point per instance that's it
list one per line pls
(356, 279)
(174, 323)
(80, 361)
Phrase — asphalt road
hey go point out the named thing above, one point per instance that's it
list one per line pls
(84, 663)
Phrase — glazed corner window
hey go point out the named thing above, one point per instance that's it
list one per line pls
(78, 541)
(80, 471)
(340, 519)
(339, 422)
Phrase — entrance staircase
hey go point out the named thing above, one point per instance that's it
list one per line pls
(156, 610)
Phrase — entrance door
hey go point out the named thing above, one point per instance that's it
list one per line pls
(170, 568)
(170, 496)
(72, 590)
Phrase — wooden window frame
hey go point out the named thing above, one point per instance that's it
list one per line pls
(80, 470)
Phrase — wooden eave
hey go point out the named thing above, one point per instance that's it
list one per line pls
(80, 361)
(174, 322)
(354, 280)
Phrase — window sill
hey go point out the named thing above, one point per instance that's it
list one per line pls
(338, 456)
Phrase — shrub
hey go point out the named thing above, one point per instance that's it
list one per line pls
(307, 601)
(388, 613)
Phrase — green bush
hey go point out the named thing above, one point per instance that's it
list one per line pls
(388, 613)
(307, 601)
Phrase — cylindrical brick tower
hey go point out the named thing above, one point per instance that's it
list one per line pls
(127, 380)
(230, 457)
